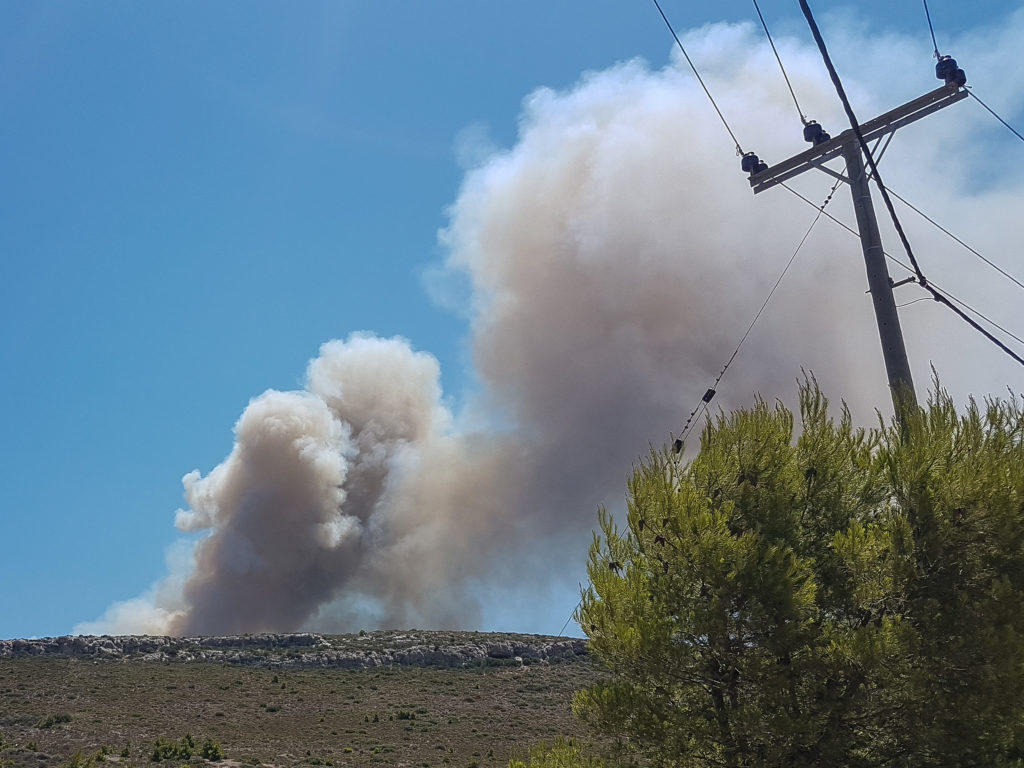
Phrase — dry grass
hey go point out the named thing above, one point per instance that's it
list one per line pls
(399, 716)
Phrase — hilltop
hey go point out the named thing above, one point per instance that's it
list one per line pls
(367, 649)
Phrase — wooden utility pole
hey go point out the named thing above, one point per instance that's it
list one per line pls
(880, 284)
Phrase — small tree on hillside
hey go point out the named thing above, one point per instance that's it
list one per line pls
(844, 597)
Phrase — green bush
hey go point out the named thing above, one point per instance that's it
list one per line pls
(168, 750)
(80, 761)
(51, 720)
(211, 750)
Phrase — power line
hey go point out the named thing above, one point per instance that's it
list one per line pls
(997, 117)
(988, 320)
(855, 125)
(914, 301)
(941, 228)
(739, 150)
(934, 288)
(931, 29)
(710, 393)
(974, 324)
(803, 118)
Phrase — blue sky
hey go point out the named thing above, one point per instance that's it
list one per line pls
(197, 195)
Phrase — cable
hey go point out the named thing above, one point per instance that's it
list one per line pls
(803, 118)
(921, 279)
(687, 427)
(941, 228)
(855, 125)
(908, 303)
(578, 604)
(974, 311)
(931, 29)
(811, 203)
(974, 324)
(992, 112)
(739, 149)
(933, 288)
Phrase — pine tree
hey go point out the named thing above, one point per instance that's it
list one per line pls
(836, 597)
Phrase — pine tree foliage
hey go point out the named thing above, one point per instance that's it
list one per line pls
(828, 596)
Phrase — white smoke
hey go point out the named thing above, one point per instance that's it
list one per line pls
(615, 255)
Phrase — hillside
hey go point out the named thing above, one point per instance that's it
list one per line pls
(418, 699)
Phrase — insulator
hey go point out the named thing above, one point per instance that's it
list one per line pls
(750, 162)
(944, 67)
(947, 70)
(814, 133)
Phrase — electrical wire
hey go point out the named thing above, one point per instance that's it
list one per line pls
(855, 125)
(706, 400)
(908, 303)
(992, 112)
(933, 288)
(739, 149)
(931, 28)
(974, 324)
(803, 118)
(578, 604)
(941, 228)
(988, 320)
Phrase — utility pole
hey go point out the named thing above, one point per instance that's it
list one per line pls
(847, 146)
(879, 283)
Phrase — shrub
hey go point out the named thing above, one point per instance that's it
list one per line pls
(78, 761)
(51, 720)
(168, 750)
(211, 750)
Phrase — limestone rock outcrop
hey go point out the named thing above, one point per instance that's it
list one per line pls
(367, 649)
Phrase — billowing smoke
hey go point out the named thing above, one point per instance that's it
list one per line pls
(614, 256)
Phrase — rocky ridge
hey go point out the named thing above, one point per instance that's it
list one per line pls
(367, 649)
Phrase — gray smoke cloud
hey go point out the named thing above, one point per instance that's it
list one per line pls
(614, 255)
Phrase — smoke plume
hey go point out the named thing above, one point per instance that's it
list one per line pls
(614, 257)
